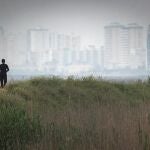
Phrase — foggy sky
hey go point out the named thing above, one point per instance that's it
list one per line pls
(84, 17)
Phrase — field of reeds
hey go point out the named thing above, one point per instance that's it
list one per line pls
(75, 114)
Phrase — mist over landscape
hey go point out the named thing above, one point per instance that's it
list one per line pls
(75, 75)
(81, 38)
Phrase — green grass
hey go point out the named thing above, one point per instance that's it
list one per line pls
(75, 114)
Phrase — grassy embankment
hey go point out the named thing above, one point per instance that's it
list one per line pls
(85, 114)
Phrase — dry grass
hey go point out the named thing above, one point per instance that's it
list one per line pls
(83, 114)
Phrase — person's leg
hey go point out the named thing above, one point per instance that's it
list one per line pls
(2, 82)
(5, 80)
(1, 79)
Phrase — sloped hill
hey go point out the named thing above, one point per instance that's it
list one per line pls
(75, 114)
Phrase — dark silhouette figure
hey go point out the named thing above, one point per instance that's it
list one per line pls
(3, 73)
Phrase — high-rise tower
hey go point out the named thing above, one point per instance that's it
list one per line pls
(148, 48)
(124, 47)
(116, 46)
(38, 47)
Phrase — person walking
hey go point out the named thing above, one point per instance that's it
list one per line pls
(3, 73)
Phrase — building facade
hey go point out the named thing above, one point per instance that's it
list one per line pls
(148, 48)
(2, 43)
(116, 46)
(137, 52)
(124, 47)
(38, 47)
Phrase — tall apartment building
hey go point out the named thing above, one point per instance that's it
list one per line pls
(38, 47)
(2, 43)
(148, 48)
(124, 46)
(63, 41)
(16, 49)
(116, 46)
(137, 53)
(64, 48)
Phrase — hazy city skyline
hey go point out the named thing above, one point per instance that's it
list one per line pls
(83, 17)
(44, 49)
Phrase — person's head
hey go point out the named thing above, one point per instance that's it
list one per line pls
(3, 61)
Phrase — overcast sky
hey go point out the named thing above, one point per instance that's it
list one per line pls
(82, 17)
